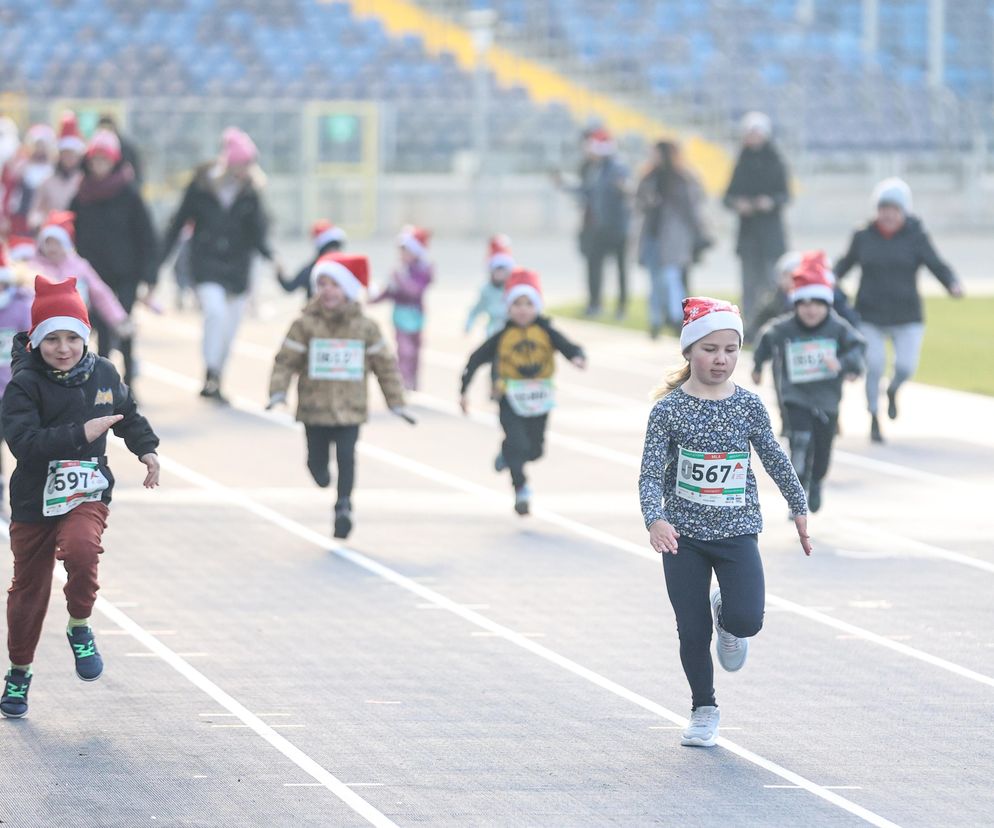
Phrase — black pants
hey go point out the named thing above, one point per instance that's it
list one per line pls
(597, 251)
(319, 440)
(811, 434)
(736, 563)
(524, 440)
(108, 341)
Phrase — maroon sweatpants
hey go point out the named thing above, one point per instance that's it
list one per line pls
(73, 539)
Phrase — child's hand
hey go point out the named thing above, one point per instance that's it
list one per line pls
(93, 429)
(580, 362)
(275, 400)
(464, 403)
(151, 462)
(663, 537)
(801, 522)
(757, 376)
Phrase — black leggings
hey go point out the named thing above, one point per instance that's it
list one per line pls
(811, 435)
(599, 251)
(739, 568)
(524, 440)
(319, 440)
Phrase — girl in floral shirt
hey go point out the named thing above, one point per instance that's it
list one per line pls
(700, 503)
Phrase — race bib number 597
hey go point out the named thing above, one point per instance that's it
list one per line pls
(69, 483)
(712, 478)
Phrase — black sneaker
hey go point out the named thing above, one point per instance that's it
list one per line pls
(89, 664)
(522, 500)
(321, 476)
(814, 497)
(891, 404)
(499, 462)
(875, 435)
(343, 519)
(14, 704)
(212, 389)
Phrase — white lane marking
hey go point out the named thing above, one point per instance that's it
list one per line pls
(156, 655)
(827, 787)
(229, 703)
(468, 606)
(226, 715)
(381, 701)
(472, 616)
(166, 376)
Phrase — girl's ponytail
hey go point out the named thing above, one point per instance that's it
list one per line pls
(672, 381)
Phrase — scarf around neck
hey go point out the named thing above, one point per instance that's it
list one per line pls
(76, 375)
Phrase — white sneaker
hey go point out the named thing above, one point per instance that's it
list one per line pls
(703, 728)
(731, 651)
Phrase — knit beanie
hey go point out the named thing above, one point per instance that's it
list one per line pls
(348, 270)
(57, 307)
(895, 192)
(703, 315)
(237, 147)
(523, 282)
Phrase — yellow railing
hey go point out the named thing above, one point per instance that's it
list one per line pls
(544, 84)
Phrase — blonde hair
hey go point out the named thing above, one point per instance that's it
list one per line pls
(672, 381)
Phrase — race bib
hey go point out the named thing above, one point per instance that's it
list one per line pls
(712, 478)
(806, 360)
(69, 483)
(530, 397)
(6, 344)
(337, 359)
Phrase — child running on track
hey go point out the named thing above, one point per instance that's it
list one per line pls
(490, 301)
(332, 347)
(524, 355)
(812, 350)
(700, 503)
(327, 238)
(57, 410)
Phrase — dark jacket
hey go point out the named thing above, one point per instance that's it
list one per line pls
(43, 421)
(821, 395)
(888, 287)
(303, 278)
(521, 353)
(779, 303)
(606, 212)
(114, 233)
(760, 172)
(223, 239)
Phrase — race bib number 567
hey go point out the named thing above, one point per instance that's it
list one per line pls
(712, 478)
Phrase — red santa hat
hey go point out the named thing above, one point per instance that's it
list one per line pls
(57, 307)
(40, 133)
(324, 232)
(349, 271)
(813, 279)
(703, 315)
(523, 282)
(61, 226)
(69, 137)
(6, 274)
(500, 253)
(21, 248)
(106, 143)
(414, 240)
(600, 142)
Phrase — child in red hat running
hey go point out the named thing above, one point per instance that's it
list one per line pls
(57, 410)
(490, 300)
(701, 506)
(812, 350)
(523, 355)
(327, 238)
(332, 347)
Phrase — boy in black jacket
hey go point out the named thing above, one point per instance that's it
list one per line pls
(57, 410)
(327, 239)
(812, 350)
(523, 356)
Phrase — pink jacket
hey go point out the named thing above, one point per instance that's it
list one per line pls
(94, 290)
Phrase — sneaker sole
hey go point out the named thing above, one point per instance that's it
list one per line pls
(522, 509)
(343, 527)
(84, 678)
(696, 742)
(7, 715)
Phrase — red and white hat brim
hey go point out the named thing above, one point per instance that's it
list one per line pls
(72, 142)
(59, 323)
(524, 290)
(722, 320)
(823, 293)
(412, 245)
(54, 231)
(332, 234)
(339, 274)
(501, 260)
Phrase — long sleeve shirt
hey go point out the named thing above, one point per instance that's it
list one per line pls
(732, 425)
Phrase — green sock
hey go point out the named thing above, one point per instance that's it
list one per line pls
(25, 667)
(77, 622)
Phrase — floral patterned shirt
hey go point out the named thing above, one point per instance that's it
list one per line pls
(679, 420)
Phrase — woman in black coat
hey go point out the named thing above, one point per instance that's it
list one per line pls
(229, 224)
(114, 233)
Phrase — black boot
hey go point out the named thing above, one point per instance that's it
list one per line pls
(892, 403)
(212, 388)
(875, 435)
(343, 518)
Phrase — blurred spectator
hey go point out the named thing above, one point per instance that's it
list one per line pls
(758, 193)
(57, 191)
(129, 152)
(114, 233)
(669, 201)
(224, 204)
(22, 175)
